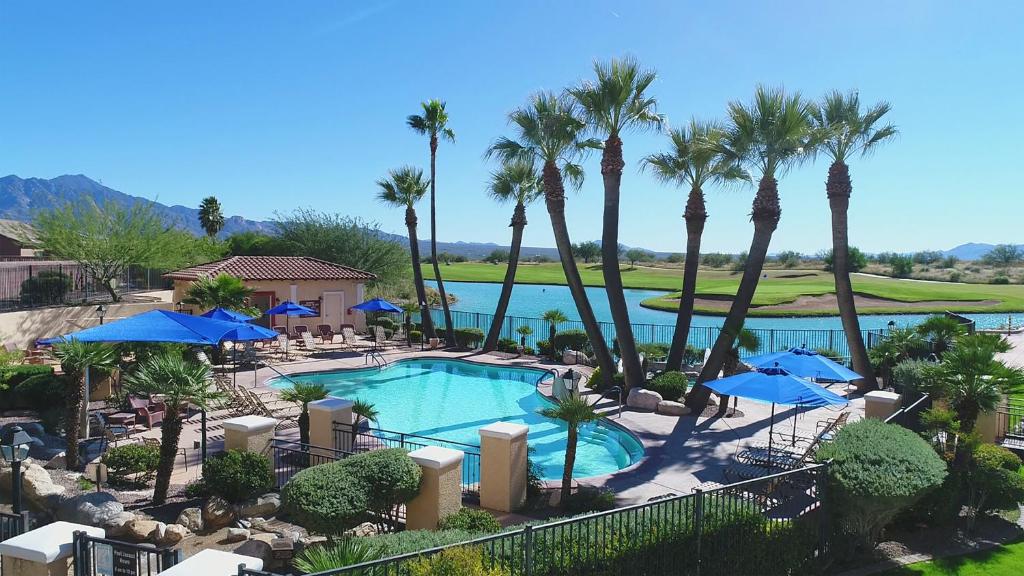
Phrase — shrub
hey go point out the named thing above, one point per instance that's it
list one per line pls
(237, 476)
(507, 345)
(877, 470)
(597, 383)
(572, 340)
(10, 358)
(471, 520)
(588, 499)
(326, 499)
(994, 478)
(46, 287)
(415, 336)
(457, 561)
(529, 351)
(543, 348)
(13, 375)
(999, 280)
(131, 462)
(715, 260)
(909, 376)
(389, 477)
(902, 266)
(39, 392)
(653, 350)
(955, 276)
(409, 541)
(693, 355)
(336, 554)
(671, 385)
(469, 337)
(385, 322)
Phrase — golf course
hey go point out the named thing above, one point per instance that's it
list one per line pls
(781, 292)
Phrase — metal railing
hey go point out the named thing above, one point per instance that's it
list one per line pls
(38, 283)
(1010, 424)
(11, 525)
(103, 557)
(365, 439)
(291, 457)
(910, 416)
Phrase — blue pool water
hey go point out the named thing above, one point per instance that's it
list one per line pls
(452, 400)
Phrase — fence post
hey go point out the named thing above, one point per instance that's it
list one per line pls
(698, 523)
(823, 536)
(771, 340)
(528, 550)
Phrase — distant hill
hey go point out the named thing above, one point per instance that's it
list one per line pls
(973, 250)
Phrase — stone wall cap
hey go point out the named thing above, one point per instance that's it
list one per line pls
(211, 562)
(882, 395)
(436, 457)
(251, 423)
(48, 543)
(330, 404)
(504, 430)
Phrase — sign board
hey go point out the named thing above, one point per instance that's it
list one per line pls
(114, 560)
(103, 559)
(312, 305)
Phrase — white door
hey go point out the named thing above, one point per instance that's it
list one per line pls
(332, 309)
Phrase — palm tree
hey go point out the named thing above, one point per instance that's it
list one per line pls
(941, 331)
(770, 134)
(362, 410)
(210, 216)
(515, 181)
(524, 332)
(615, 103)
(434, 123)
(553, 317)
(181, 382)
(746, 341)
(76, 357)
(403, 188)
(972, 379)
(574, 411)
(303, 393)
(844, 130)
(695, 159)
(550, 132)
(221, 291)
(898, 345)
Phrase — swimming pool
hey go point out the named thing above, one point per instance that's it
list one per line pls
(452, 400)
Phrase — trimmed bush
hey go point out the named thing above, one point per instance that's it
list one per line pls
(471, 520)
(131, 463)
(13, 375)
(995, 479)
(671, 385)
(389, 477)
(653, 350)
(415, 336)
(877, 470)
(385, 322)
(572, 340)
(597, 383)
(46, 287)
(460, 561)
(40, 392)
(909, 376)
(507, 345)
(469, 337)
(999, 280)
(237, 476)
(588, 499)
(326, 499)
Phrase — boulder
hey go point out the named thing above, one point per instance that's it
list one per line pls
(140, 529)
(266, 505)
(643, 399)
(258, 547)
(117, 527)
(191, 519)
(217, 513)
(670, 408)
(236, 535)
(92, 508)
(570, 356)
(37, 487)
(173, 534)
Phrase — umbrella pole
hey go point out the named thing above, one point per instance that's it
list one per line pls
(771, 428)
(795, 416)
(287, 336)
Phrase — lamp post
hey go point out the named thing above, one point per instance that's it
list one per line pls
(891, 325)
(101, 311)
(14, 450)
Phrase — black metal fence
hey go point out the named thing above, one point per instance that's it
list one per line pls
(366, 438)
(37, 283)
(909, 416)
(102, 557)
(1010, 424)
(11, 525)
(772, 525)
(290, 458)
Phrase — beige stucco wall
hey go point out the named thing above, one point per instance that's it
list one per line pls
(24, 327)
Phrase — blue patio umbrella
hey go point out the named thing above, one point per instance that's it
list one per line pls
(377, 305)
(805, 364)
(226, 315)
(167, 326)
(289, 309)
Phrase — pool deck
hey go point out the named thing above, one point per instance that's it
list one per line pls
(680, 452)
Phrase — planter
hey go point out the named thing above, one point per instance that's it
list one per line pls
(434, 343)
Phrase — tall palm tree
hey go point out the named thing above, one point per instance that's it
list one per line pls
(303, 393)
(549, 131)
(403, 188)
(221, 291)
(694, 160)
(845, 130)
(76, 357)
(553, 317)
(181, 382)
(210, 216)
(574, 411)
(515, 181)
(615, 103)
(770, 134)
(434, 123)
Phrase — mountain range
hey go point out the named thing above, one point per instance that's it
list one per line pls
(21, 198)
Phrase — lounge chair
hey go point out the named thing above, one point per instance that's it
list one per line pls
(348, 333)
(380, 338)
(146, 412)
(307, 341)
(326, 333)
(755, 462)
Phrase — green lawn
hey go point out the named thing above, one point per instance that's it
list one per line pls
(1002, 561)
(780, 286)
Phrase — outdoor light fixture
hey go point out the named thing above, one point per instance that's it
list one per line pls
(178, 307)
(14, 449)
(892, 324)
(423, 313)
(101, 311)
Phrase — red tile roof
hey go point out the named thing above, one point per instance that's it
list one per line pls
(272, 268)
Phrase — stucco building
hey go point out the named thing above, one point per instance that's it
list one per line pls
(17, 239)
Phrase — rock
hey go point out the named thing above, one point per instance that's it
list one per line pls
(55, 462)
(191, 519)
(266, 505)
(173, 534)
(364, 529)
(36, 485)
(643, 399)
(258, 547)
(670, 408)
(139, 529)
(217, 513)
(92, 508)
(570, 356)
(117, 527)
(236, 535)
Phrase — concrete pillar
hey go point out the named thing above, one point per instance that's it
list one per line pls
(987, 425)
(880, 405)
(211, 562)
(440, 490)
(250, 434)
(322, 416)
(503, 466)
(45, 551)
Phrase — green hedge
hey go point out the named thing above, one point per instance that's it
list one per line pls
(572, 340)
(469, 337)
(237, 476)
(507, 345)
(671, 385)
(33, 387)
(131, 462)
(471, 520)
(11, 376)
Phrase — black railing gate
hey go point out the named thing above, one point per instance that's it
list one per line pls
(102, 557)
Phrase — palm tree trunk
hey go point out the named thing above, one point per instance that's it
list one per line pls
(570, 463)
(554, 197)
(449, 327)
(611, 171)
(304, 424)
(765, 214)
(169, 436)
(518, 224)
(74, 387)
(839, 188)
(417, 275)
(695, 216)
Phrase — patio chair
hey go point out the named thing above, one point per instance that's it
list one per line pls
(348, 334)
(754, 462)
(326, 333)
(147, 412)
(298, 329)
(110, 434)
(155, 443)
(307, 342)
(380, 338)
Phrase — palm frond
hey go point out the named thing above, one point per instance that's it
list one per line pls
(617, 100)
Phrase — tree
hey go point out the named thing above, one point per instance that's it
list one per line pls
(769, 134)
(942, 331)
(927, 257)
(516, 181)
(524, 332)
(497, 256)
(303, 393)
(362, 411)
(75, 358)
(844, 129)
(104, 240)
(574, 411)
(589, 251)
(210, 216)
(553, 318)
(181, 382)
(855, 260)
(249, 243)
(403, 188)
(788, 258)
(634, 255)
(1003, 256)
(902, 266)
(550, 132)
(221, 291)
(434, 123)
(616, 102)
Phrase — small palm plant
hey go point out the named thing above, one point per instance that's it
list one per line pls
(362, 410)
(75, 358)
(574, 411)
(221, 291)
(303, 393)
(336, 554)
(553, 317)
(523, 331)
(942, 331)
(181, 382)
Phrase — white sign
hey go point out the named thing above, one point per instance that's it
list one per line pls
(103, 554)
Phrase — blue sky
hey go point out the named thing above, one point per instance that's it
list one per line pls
(269, 105)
